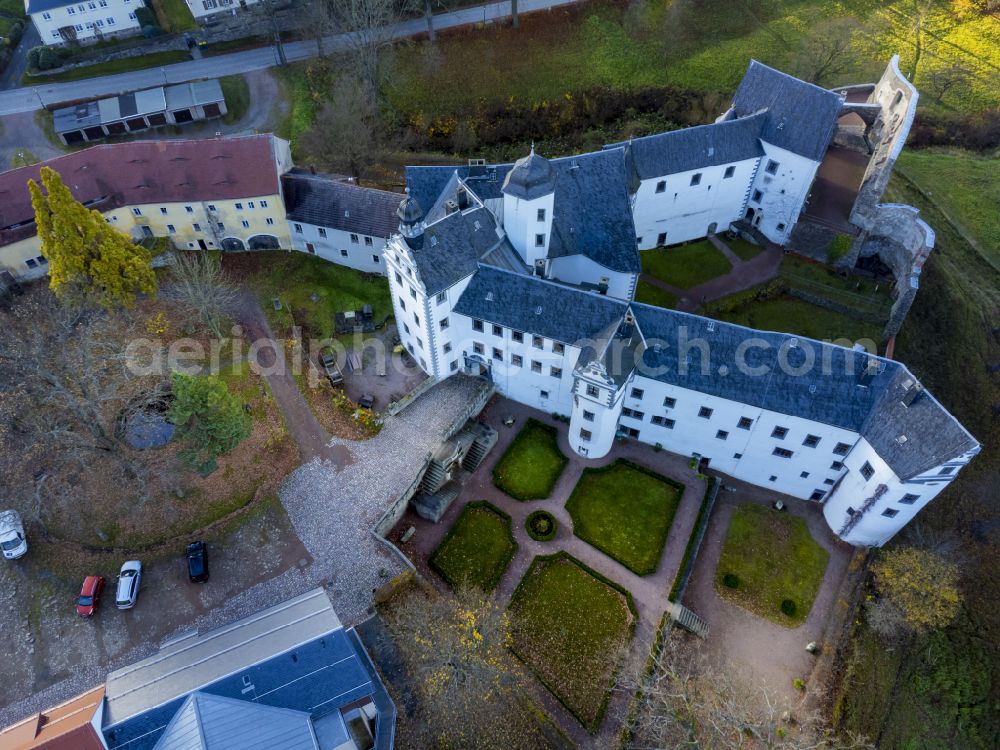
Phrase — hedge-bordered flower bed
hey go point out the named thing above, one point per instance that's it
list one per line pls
(541, 525)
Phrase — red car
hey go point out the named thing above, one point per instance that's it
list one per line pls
(90, 595)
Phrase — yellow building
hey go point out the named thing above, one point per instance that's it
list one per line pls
(215, 193)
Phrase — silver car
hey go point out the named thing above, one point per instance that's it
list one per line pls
(128, 584)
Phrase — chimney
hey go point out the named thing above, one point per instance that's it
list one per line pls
(463, 198)
(450, 206)
(911, 391)
(868, 373)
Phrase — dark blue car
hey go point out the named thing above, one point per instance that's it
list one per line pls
(197, 557)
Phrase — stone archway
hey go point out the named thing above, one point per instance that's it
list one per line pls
(263, 242)
(233, 244)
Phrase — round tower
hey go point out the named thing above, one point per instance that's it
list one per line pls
(411, 220)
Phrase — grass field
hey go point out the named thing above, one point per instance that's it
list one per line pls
(775, 558)
(13, 8)
(237, 93)
(795, 316)
(745, 250)
(477, 549)
(568, 626)
(174, 15)
(653, 295)
(686, 266)
(626, 512)
(152, 60)
(532, 464)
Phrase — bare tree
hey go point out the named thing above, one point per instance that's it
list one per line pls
(683, 702)
(319, 20)
(826, 50)
(940, 81)
(369, 36)
(347, 134)
(199, 283)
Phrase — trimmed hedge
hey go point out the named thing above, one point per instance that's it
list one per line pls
(689, 550)
(489, 580)
(541, 525)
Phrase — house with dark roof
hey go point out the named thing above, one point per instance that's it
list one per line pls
(524, 275)
(337, 220)
(72, 22)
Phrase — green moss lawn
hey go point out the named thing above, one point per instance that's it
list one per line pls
(477, 548)
(801, 318)
(532, 464)
(775, 558)
(653, 295)
(237, 93)
(685, 266)
(625, 511)
(568, 625)
(745, 250)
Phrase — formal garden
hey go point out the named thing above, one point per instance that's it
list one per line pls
(477, 548)
(532, 464)
(770, 564)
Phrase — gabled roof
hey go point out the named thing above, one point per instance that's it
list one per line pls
(426, 183)
(801, 117)
(725, 142)
(64, 727)
(212, 722)
(337, 204)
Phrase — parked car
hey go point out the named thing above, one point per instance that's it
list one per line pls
(328, 361)
(12, 539)
(197, 558)
(90, 596)
(367, 401)
(128, 584)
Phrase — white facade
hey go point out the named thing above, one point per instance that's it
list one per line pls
(579, 269)
(86, 21)
(203, 8)
(358, 251)
(528, 224)
(779, 192)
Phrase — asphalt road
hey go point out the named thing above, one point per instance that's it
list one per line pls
(30, 98)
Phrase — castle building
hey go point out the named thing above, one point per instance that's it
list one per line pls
(525, 274)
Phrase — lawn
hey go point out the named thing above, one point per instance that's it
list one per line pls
(13, 8)
(686, 266)
(174, 15)
(532, 464)
(237, 93)
(625, 511)
(568, 625)
(745, 250)
(653, 295)
(798, 317)
(151, 60)
(775, 559)
(477, 548)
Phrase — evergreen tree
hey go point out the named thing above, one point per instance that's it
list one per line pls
(87, 257)
(212, 419)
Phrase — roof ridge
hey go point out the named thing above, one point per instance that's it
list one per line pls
(754, 61)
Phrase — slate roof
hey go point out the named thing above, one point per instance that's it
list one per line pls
(452, 247)
(37, 6)
(336, 204)
(112, 175)
(532, 177)
(426, 183)
(801, 117)
(212, 722)
(687, 149)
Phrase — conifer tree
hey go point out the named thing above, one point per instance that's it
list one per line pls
(87, 257)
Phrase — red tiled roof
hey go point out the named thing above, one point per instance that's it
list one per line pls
(121, 174)
(65, 727)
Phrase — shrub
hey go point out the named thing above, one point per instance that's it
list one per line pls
(145, 17)
(43, 58)
(840, 247)
(208, 416)
(788, 607)
(541, 525)
(797, 683)
(658, 447)
(731, 580)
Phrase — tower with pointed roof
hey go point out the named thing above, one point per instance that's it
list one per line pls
(528, 202)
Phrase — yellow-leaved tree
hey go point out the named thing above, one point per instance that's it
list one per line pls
(87, 257)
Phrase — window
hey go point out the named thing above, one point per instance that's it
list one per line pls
(57, 35)
(354, 239)
(368, 241)
(171, 228)
(497, 354)
(890, 512)
(804, 474)
(477, 347)
(696, 179)
(658, 420)
(817, 495)
(298, 228)
(588, 416)
(867, 471)
(669, 423)
(593, 391)
(111, 21)
(638, 240)
(477, 325)
(211, 207)
(497, 330)
(137, 212)
(661, 239)
(841, 449)
(781, 227)
(782, 453)
(447, 347)
(811, 441)
(543, 394)
(454, 365)
(585, 435)
(909, 499)
(270, 222)
(443, 323)
(757, 195)
(837, 466)
(343, 253)
(413, 295)
(416, 318)
(536, 366)
(406, 328)
(661, 186)
(721, 434)
(263, 204)
(196, 227)
(245, 223)
(745, 423)
(399, 279)
(239, 207)
(517, 336)
(541, 214)
(92, 6)
(637, 393)
(772, 167)
(730, 171)
(946, 470)
(537, 342)
(828, 482)
(71, 11)
(48, 17)
(772, 478)
(737, 456)
(517, 360)
(555, 372)
(779, 433)
(322, 232)
(670, 403)
(558, 348)
(250, 204)
(626, 412)
(189, 209)
(539, 240)
(310, 248)
(402, 302)
(705, 413)
(31, 263)
(441, 295)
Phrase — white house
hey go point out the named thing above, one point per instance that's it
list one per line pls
(61, 22)
(337, 220)
(203, 8)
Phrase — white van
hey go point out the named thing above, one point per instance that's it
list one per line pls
(12, 540)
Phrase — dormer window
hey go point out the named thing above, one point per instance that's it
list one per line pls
(661, 186)
(541, 214)
(696, 179)
(730, 171)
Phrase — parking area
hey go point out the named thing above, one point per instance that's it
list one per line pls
(375, 370)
